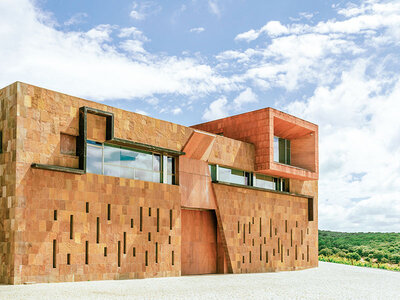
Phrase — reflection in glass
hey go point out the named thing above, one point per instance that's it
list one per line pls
(266, 182)
(232, 176)
(156, 162)
(94, 159)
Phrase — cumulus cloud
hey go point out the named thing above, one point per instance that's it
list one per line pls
(197, 29)
(245, 97)
(141, 10)
(216, 110)
(96, 64)
(176, 111)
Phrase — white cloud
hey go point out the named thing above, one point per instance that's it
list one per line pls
(177, 111)
(197, 29)
(142, 112)
(214, 7)
(76, 19)
(90, 64)
(245, 97)
(216, 110)
(143, 9)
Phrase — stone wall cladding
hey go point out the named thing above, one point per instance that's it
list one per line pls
(9, 210)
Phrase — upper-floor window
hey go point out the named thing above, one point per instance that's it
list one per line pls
(281, 150)
(264, 181)
(128, 163)
(233, 176)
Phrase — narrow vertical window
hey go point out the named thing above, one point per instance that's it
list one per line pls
(87, 207)
(156, 253)
(55, 215)
(249, 228)
(170, 219)
(310, 209)
(308, 253)
(266, 256)
(105, 251)
(279, 243)
(54, 253)
(149, 211)
(260, 228)
(301, 238)
(260, 252)
(238, 227)
(124, 242)
(244, 233)
(169, 240)
(108, 212)
(140, 218)
(71, 227)
(134, 251)
(281, 253)
(286, 226)
(173, 257)
(1, 142)
(249, 256)
(68, 258)
(131, 223)
(119, 253)
(295, 252)
(146, 257)
(97, 230)
(291, 237)
(87, 252)
(149, 236)
(270, 228)
(158, 220)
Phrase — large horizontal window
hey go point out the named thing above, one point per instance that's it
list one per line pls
(116, 161)
(281, 150)
(223, 174)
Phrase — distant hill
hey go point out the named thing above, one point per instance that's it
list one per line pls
(372, 249)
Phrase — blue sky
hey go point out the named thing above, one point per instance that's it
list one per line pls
(334, 63)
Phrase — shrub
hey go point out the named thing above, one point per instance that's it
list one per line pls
(326, 252)
(353, 256)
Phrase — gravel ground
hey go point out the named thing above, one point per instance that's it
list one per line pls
(329, 281)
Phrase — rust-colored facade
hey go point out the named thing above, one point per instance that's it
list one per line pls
(62, 221)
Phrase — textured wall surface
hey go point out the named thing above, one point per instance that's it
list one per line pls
(266, 231)
(41, 242)
(9, 206)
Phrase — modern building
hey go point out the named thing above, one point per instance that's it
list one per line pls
(92, 192)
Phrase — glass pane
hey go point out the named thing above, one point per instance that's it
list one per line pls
(264, 182)
(127, 158)
(282, 150)
(112, 155)
(143, 175)
(156, 177)
(276, 149)
(229, 175)
(156, 163)
(110, 170)
(143, 161)
(94, 160)
(170, 165)
(127, 173)
(171, 179)
(288, 152)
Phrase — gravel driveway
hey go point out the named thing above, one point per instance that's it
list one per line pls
(329, 281)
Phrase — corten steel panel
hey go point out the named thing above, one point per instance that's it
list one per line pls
(199, 242)
(258, 225)
(9, 210)
(259, 127)
(68, 144)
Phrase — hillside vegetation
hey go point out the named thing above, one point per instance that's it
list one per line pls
(372, 249)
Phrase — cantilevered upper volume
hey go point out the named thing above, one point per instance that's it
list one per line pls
(284, 145)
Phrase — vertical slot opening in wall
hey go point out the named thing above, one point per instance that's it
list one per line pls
(149, 211)
(173, 257)
(170, 219)
(244, 233)
(169, 240)
(260, 252)
(249, 228)
(124, 242)
(310, 209)
(87, 252)
(156, 253)
(287, 252)
(243, 259)
(158, 220)
(260, 227)
(273, 252)
(141, 219)
(87, 207)
(249, 256)
(301, 237)
(252, 242)
(55, 215)
(295, 252)
(286, 226)
(308, 253)
(134, 252)
(105, 251)
(265, 240)
(146, 257)
(131, 223)
(68, 258)
(276, 231)
(149, 236)
(108, 212)
(291, 237)
(266, 256)
(281, 253)
(54, 253)
(97, 230)
(308, 231)
(279, 244)
(238, 227)
(297, 224)
(71, 227)
(252, 220)
(302, 256)
(270, 228)
(119, 253)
